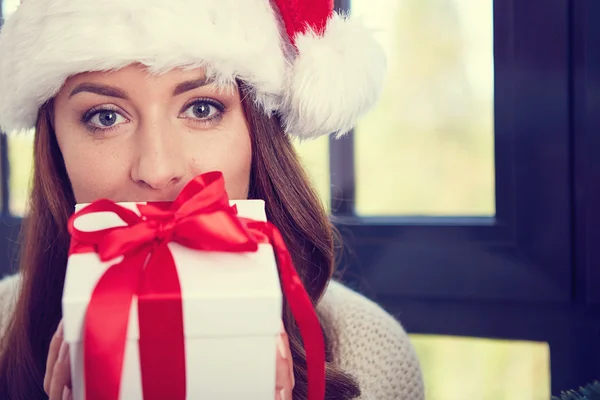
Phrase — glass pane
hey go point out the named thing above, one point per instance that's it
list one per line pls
(314, 155)
(8, 6)
(19, 150)
(457, 368)
(20, 157)
(428, 147)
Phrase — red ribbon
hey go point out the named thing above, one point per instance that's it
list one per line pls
(200, 218)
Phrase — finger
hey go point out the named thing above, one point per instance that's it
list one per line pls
(61, 374)
(67, 394)
(288, 352)
(290, 362)
(284, 381)
(53, 350)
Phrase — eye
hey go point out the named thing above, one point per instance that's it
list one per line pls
(203, 110)
(104, 119)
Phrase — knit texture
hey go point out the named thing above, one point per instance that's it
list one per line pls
(370, 344)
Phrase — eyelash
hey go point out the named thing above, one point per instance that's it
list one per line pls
(87, 117)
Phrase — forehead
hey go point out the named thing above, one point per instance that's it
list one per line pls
(136, 78)
(135, 73)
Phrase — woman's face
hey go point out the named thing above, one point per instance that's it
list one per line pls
(129, 136)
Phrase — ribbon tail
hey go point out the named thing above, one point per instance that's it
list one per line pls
(304, 314)
(104, 344)
(162, 342)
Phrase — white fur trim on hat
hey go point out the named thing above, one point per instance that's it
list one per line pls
(319, 85)
(46, 41)
(335, 80)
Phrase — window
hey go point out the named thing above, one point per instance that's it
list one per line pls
(466, 198)
(15, 166)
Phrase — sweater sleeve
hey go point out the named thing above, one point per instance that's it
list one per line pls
(8, 297)
(373, 347)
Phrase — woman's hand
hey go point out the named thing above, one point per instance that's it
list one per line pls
(284, 381)
(57, 382)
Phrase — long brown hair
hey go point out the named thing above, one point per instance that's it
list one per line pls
(276, 177)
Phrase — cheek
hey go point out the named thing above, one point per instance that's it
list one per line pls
(237, 173)
(100, 168)
(93, 171)
(228, 149)
(230, 154)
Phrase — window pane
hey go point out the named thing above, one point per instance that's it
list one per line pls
(470, 368)
(20, 156)
(314, 155)
(427, 148)
(8, 6)
(19, 150)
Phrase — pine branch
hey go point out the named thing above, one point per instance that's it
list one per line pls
(589, 392)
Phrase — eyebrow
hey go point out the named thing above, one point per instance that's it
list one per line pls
(190, 85)
(102, 90)
(110, 91)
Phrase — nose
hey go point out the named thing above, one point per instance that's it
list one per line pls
(160, 163)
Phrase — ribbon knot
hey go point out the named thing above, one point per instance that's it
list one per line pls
(202, 219)
(165, 231)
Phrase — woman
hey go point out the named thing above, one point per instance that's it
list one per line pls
(133, 99)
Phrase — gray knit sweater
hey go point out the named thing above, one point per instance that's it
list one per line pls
(371, 344)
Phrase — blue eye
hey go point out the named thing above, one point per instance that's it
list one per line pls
(103, 119)
(204, 110)
(106, 118)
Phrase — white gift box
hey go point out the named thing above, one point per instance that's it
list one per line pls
(231, 309)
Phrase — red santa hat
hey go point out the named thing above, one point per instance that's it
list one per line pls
(320, 71)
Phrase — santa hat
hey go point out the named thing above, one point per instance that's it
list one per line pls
(320, 71)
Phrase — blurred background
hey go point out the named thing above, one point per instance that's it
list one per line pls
(427, 150)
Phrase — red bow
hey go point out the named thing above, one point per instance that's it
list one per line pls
(200, 218)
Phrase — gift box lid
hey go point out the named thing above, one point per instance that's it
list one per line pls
(224, 294)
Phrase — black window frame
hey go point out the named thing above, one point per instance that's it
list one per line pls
(9, 224)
